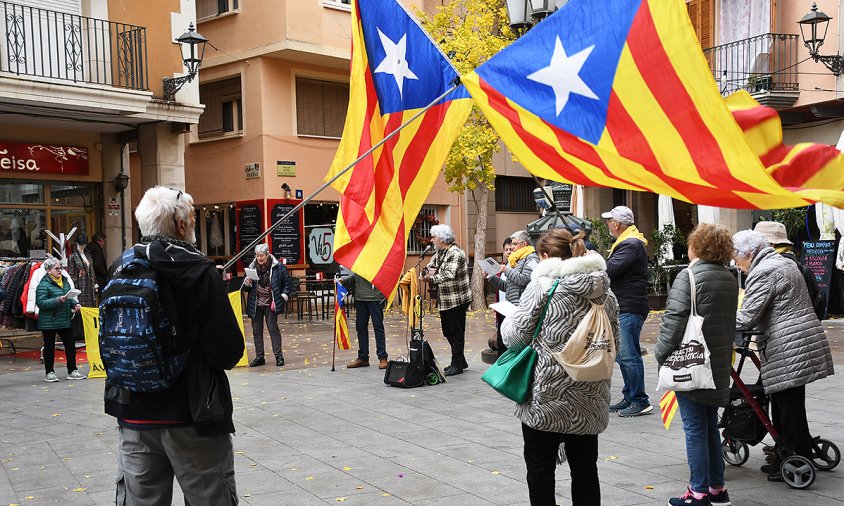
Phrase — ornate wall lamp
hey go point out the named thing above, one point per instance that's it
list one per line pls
(196, 44)
(813, 28)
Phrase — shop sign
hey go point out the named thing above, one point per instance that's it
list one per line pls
(321, 245)
(253, 170)
(285, 168)
(23, 158)
(113, 207)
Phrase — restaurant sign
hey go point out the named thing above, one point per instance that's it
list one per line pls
(19, 157)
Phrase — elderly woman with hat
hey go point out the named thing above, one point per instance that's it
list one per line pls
(795, 349)
(775, 233)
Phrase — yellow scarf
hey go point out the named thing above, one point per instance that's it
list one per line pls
(783, 249)
(630, 232)
(59, 280)
(517, 255)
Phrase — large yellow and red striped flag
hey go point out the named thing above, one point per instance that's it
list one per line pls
(625, 100)
(341, 328)
(396, 71)
(814, 171)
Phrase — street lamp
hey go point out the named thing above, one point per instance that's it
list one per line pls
(196, 44)
(525, 13)
(816, 23)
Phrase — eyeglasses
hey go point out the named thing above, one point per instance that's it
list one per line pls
(178, 195)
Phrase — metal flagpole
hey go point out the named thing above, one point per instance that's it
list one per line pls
(325, 185)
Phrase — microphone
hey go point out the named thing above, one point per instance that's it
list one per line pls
(427, 250)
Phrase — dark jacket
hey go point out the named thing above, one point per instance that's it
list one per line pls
(99, 262)
(816, 295)
(627, 268)
(363, 290)
(280, 283)
(53, 313)
(516, 278)
(193, 291)
(716, 299)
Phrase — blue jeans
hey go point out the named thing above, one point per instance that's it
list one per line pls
(703, 444)
(629, 359)
(363, 311)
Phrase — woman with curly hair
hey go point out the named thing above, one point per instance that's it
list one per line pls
(716, 298)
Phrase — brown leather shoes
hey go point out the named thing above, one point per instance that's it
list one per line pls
(354, 364)
(382, 363)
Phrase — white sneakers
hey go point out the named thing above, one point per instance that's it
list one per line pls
(73, 375)
(76, 375)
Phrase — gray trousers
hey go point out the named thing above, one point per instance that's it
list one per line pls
(147, 461)
(264, 313)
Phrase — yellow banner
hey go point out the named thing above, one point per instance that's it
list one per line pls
(237, 306)
(91, 322)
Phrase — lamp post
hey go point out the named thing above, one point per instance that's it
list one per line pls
(813, 28)
(525, 13)
(196, 44)
(121, 182)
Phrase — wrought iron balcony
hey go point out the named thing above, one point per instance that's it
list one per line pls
(57, 45)
(764, 65)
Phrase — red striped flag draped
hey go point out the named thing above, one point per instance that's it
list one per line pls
(396, 71)
(624, 101)
(815, 171)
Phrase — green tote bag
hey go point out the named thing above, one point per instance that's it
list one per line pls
(512, 374)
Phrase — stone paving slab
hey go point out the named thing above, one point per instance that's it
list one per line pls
(309, 435)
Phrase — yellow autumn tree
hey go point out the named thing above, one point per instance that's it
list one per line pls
(470, 32)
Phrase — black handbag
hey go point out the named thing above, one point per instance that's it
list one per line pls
(404, 374)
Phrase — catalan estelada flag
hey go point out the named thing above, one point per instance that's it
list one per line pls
(396, 71)
(625, 100)
(814, 171)
(668, 407)
(341, 328)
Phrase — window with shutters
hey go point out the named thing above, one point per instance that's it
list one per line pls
(515, 194)
(223, 108)
(700, 12)
(206, 9)
(321, 107)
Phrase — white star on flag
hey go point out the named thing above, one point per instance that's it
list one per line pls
(394, 62)
(562, 75)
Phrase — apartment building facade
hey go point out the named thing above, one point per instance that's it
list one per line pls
(81, 100)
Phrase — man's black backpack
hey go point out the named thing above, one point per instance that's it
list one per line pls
(139, 344)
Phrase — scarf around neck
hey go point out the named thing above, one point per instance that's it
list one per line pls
(630, 232)
(520, 253)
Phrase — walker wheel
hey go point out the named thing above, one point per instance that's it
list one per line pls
(798, 472)
(432, 378)
(735, 452)
(826, 454)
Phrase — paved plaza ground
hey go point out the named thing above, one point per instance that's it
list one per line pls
(309, 435)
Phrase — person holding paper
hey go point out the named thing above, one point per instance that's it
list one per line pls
(56, 309)
(265, 299)
(516, 270)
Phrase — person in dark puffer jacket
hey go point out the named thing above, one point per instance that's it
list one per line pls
(716, 298)
(56, 311)
(796, 351)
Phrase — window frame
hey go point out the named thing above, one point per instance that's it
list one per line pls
(321, 81)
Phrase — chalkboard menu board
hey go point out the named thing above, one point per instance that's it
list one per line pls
(819, 257)
(287, 240)
(250, 224)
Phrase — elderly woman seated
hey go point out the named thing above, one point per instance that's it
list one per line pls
(796, 350)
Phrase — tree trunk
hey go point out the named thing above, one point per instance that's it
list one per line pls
(478, 277)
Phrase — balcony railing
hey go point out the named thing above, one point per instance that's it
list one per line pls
(57, 45)
(765, 63)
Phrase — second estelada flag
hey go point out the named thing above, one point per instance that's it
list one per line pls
(625, 101)
(396, 71)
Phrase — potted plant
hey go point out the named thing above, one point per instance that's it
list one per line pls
(600, 236)
(662, 239)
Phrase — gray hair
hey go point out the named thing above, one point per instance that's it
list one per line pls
(160, 209)
(443, 233)
(748, 243)
(521, 236)
(50, 263)
(262, 248)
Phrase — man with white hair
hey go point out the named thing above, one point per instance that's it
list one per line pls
(185, 429)
(627, 267)
(449, 270)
